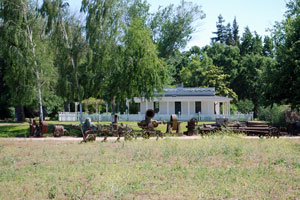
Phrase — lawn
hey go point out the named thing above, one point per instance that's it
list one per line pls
(213, 167)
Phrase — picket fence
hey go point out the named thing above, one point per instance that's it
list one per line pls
(106, 117)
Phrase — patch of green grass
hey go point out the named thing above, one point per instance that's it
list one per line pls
(211, 168)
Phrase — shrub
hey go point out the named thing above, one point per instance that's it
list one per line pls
(274, 114)
(245, 106)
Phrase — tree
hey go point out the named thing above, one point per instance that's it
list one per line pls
(55, 11)
(285, 77)
(221, 31)
(251, 78)
(172, 27)
(227, 58)
(25, 54)
(268, 47)
(228, 37)
(143, 72)
(235, 32)
(217, 79)
(201, 72)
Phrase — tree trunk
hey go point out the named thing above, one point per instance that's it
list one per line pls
(67, 107)
(255, 102)
(40, 96)
(20, 115)
(113, 106)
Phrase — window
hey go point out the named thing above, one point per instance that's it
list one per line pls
(177, 107)
(198, 106)
(156, 107)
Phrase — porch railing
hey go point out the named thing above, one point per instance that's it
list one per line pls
(72, 116)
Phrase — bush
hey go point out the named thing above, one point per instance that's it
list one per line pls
(245, 106)
(274, 114)
(233, 108)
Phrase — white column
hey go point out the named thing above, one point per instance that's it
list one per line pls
(207, 103)
(188, 108)
(228, 107)
(146, 105)
(168, 107)
(106, 107)
(76, 104)
(223, 108)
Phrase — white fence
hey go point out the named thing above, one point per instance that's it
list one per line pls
(70, 116)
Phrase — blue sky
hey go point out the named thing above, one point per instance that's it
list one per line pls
(257, 14)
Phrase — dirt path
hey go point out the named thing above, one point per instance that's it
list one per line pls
(66, 138)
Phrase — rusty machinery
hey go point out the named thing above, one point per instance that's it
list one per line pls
(59, 131)
(116, 130)
(148, 125)
(191, 127)
(250, 128)
(37, 130)
(174, 125)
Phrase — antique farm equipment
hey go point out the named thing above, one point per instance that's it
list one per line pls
(89, 131)
(191, 126)
(37, 130)
(254, 128)
(116, 130)
(148, 125)
(59, 131)
(174, 125)
(208, 129)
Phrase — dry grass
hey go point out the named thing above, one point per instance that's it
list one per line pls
(209, 168)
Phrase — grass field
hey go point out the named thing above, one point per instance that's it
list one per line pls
(214, 167)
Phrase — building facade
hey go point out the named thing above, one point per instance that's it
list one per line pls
(186, 101)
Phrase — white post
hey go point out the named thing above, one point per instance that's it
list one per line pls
(223, 108)
(76, 104)
(207, 108)
(228, 108)
(168, 109)
(106, 107)
(188, 108)
(146, 105)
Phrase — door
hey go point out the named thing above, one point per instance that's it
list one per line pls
(177, 107)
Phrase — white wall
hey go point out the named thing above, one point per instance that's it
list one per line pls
(171, 108)
(207, 107)
(163, 108)
(192, 107)
(184, 108)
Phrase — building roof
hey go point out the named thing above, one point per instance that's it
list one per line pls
(181, 91)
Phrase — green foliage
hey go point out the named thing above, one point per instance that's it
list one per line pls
(273, 114)
(172, 27)
(143, 72)
(245, 106)
(285, 77)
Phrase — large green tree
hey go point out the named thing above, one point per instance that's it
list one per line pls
(172, 27)
(68, 47)
(29, 66)
(285, 79)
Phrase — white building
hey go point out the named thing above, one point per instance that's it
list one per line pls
(186, 101)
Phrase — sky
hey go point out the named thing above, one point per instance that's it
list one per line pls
(258, 15)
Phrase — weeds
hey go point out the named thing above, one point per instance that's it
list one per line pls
(215, 167)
